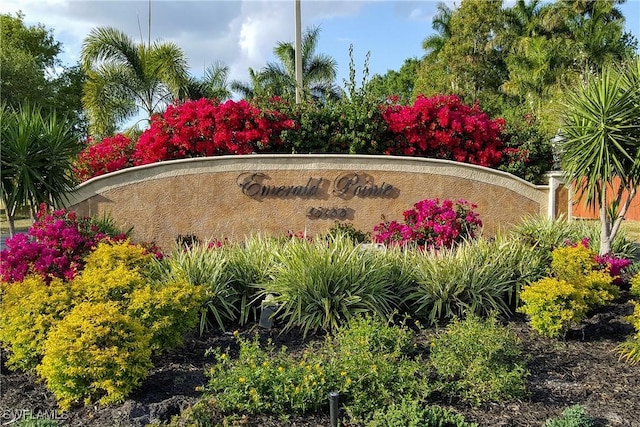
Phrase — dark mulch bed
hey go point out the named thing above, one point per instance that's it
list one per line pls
(583, 370)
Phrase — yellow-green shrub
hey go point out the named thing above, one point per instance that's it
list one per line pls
(570, 263)
(95, 352)
(630, 349)
(112, 272)
(167, 310)
(598, 288)
(635, 286)
(552, 305)
(575, 287)
(27, 311)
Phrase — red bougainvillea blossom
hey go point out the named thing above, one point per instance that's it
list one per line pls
(431, 225)
(444, 127)
(108, 155)
(207, 128)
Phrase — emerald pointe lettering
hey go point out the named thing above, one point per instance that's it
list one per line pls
(346, 185)
(252, 186)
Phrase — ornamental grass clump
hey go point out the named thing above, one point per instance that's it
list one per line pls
(203, 266)
(548, 234)
(248, 265)
(477, 277)
(431, 225)
(322, 284)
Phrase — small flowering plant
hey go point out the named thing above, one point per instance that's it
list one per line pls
(54, 246)
(431, 225)
(612, 263)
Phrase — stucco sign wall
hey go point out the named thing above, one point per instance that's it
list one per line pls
(234, 196)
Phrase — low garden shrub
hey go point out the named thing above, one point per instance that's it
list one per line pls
(479, 361)
(415, 414)
(368, 362)
(91, 338)
(28, 310)
(431, 225)
(575, 286)
(95, 353)
(372, 364)
(630, 348)
(573, 416)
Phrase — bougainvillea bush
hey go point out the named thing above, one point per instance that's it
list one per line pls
(207, 128)
(436, 127)
(443, 127)
(55, 246)
(431, 225)
(107, 155)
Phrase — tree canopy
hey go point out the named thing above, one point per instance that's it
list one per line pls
(125, 77)
(33, 73)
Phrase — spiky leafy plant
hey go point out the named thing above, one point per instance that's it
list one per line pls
(322, 284)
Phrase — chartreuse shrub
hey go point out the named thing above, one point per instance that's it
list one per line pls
(322, 284)
(95, 352)
(92, 338)
(368, 362)
(576, 285)
(479, 361)
(28, 310)
(573, 416)
(477, 277)
(630, 349)
(112, 272)
(167, 310)
(414, 414)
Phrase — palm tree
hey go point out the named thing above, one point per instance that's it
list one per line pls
(36, 156)
(601, 147)
(125, 77)
(318, 70)
(213, 85)
(442, 24)
(255, 88)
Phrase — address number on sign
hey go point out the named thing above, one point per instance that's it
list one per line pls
(327, 213)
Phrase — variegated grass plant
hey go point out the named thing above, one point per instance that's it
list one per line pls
(201, 265)
(477, 277)
(547, 234)
(248, 265)
(323, 283)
